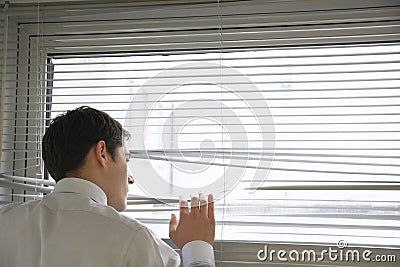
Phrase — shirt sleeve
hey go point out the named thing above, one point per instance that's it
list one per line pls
(198, 254)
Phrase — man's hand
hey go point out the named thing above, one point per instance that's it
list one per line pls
(196, 224)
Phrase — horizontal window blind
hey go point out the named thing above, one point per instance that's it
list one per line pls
(288, 111)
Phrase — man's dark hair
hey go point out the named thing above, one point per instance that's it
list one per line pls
(70, 136)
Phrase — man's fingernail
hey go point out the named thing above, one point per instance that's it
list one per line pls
(183, 202)
(203, 198)
(194, 198)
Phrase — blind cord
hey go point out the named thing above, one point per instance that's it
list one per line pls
(37, 194)
(221, 59)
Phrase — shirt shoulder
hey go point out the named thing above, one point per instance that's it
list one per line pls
(86, 207)
(115, 216)
(5, 208)
(83, 206)
(15, 207)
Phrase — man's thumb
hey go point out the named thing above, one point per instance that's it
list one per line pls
(173, 223)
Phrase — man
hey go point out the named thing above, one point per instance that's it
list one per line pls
(79, 224)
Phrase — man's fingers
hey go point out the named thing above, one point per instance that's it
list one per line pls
(211, 208)
(203, 205)
(194, 205)
(183, 207)
(199, 205)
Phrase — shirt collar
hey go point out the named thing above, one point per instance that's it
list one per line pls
(81, 186)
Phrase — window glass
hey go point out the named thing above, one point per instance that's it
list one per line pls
(335, 117)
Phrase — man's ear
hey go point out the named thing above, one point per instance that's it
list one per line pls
(101, 153)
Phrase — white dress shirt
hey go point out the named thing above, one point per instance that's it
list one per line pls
(73, 226)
